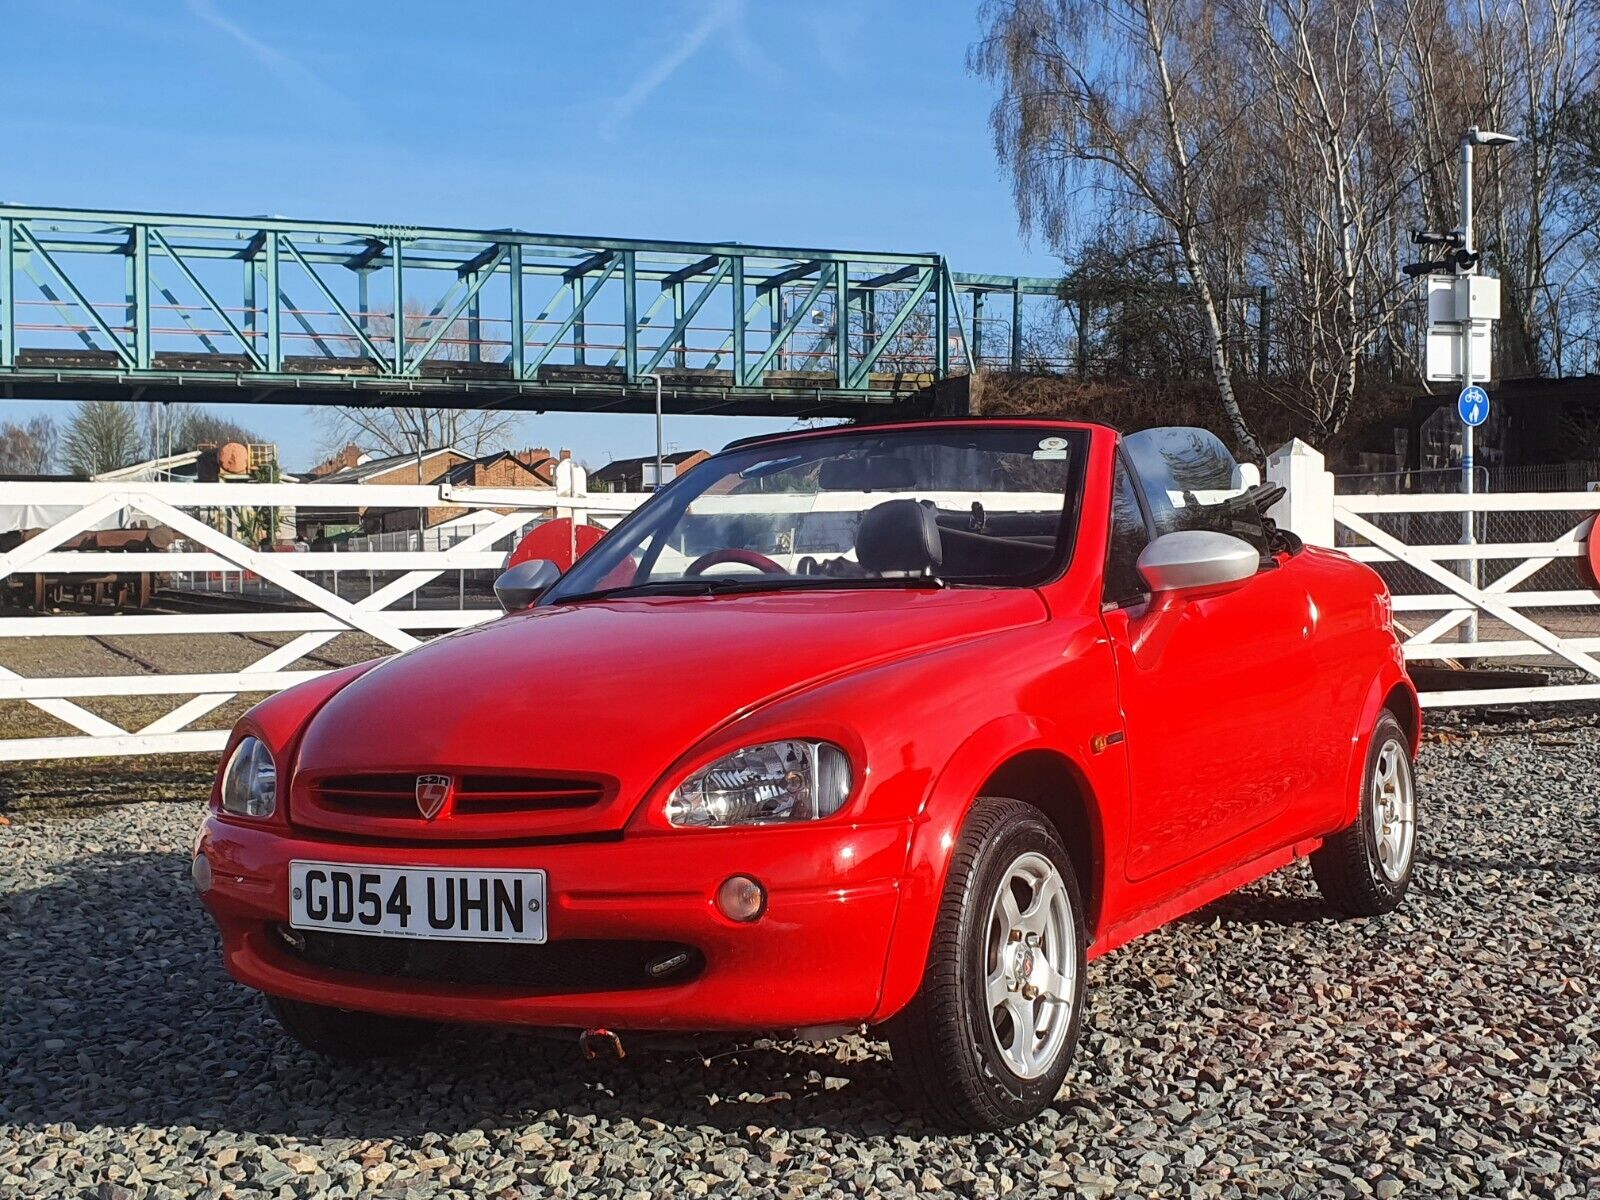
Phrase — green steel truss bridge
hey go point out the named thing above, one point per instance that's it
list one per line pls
(167, 307)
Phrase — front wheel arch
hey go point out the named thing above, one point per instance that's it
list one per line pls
(1052, 783)
(1031, 750)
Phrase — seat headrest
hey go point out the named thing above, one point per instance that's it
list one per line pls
(899, 536)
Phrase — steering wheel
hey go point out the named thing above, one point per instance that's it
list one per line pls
(748, 558)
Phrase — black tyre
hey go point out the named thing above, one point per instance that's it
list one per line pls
(347, 1036)
(1364, 870)
(988, 1038)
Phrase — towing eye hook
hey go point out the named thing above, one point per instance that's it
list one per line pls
(590, 1039)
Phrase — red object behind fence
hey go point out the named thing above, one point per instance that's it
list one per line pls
(559, 541)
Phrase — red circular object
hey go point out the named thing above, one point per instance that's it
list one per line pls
(750, 558)
(1592, 545)
(556, 540)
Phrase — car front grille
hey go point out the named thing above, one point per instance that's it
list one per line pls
(484, 805)
(395, 795)
(574, 965)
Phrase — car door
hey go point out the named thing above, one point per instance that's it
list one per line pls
(1210, 688)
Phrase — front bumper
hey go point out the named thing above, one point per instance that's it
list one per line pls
(815, 957)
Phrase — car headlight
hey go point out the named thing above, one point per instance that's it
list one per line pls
(766, 783)
(250, 782)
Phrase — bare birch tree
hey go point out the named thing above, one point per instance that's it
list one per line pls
(1295, 143)
(1339, 180)
(1117, 102)
(28, 447)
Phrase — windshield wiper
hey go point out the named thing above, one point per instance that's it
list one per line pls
(707, 585)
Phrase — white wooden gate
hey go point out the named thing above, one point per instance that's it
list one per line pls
(308, 578)
(1523, 616)
(1534, 605)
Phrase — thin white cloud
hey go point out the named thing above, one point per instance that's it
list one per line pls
(720, 14)
(290, 71)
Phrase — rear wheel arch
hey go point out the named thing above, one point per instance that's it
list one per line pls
(1390, 690)
(1401, 700)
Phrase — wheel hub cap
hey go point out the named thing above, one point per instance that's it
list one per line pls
(1394, 811)
(1032, 965)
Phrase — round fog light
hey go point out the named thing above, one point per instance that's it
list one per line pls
(741, 898)
(200, 872)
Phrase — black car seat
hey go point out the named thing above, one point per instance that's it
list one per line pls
(900, 537)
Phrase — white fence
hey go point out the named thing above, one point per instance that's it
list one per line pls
(1516, 596)
(1518, 614)
(309, 578)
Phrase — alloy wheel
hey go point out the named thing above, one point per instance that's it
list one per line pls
(1394, 810)
(1030, 965)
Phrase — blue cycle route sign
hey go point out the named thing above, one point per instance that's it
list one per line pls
(1473, 405)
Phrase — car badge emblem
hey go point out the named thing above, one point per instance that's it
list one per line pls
(433, 793)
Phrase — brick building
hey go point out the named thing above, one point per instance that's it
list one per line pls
(530, 468)
(627, 474)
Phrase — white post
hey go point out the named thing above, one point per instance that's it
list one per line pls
(1469, 566)
(1307, 510)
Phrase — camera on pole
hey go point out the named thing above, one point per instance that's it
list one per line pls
(1457, 259)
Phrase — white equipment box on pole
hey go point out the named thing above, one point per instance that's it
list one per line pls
(1453, 301)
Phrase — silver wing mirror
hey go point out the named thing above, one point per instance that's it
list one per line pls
(1197, 558)
(518, 587)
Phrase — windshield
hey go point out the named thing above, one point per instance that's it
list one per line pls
(990, 504)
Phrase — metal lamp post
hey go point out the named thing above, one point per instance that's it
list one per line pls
(653, 375)
(1473, 137)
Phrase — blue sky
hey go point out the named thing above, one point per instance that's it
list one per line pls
(849, 123)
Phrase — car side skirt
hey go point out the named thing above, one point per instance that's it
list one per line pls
(1199, 895)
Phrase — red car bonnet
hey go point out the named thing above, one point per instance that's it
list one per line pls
(561, 691)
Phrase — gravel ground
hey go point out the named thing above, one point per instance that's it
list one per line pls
(1259, 1047)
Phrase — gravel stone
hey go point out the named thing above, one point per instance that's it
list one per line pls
(1259, 1047)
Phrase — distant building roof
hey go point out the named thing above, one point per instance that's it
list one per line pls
(152, 468)
(462, 474)
(620, 469)
(372, 468)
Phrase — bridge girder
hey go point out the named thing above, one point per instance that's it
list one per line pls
(110, 304)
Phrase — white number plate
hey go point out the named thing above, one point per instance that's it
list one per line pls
(419, 902)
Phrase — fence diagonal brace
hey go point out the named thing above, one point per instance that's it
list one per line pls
(49, 539)
(1479, 599)
(291, 652)
(276, 571)
(1505, 583)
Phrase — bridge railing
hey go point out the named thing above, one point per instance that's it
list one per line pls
(294, 303)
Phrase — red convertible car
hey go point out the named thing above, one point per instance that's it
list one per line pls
(887, 726)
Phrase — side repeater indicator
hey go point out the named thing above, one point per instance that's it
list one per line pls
(1101, 741)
